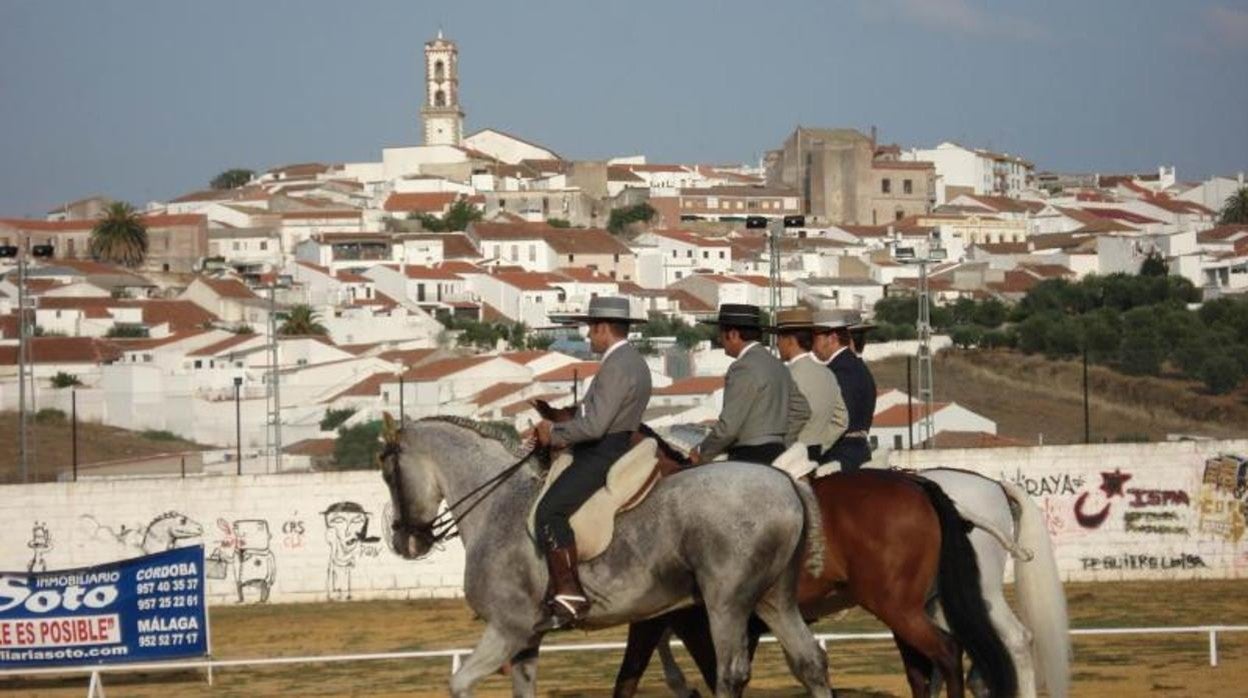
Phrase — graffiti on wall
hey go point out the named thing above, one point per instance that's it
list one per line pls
(40, 545)
(1046, 485)
(246, 547)
(1223, 500)
(1144, 561)
(346, 531)
(165, 532)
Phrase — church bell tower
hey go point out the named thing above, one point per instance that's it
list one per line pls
(441, 116)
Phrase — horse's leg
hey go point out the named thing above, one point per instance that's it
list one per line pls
(732, 659)
(494, 648)
(1015, 635)
(524, 673)
(807, 661)
(643, 637)
(693, 628)
(916, 630)
(672, 675)
(918, 669)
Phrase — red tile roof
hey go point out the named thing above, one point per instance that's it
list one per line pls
(691, 238)
(317, 448)
(454, 245)
(369, 387)
(1118, 214)
(975, 439)
(64, 350)
(223, 346)
(444, 368)
(295, 215)
(897, 415)
(497, 392)
(584, 275)
(229, 288)
(420, 202)
(1221, 233)
(526, 280)
(563, 374)
(525, 358)
(696, 385)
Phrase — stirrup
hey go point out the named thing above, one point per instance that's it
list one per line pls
(562, 612)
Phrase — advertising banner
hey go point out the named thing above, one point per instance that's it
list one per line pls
(148, 608)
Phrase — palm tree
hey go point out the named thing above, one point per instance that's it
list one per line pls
(301, 321)
(120, 237)
(1235, 210)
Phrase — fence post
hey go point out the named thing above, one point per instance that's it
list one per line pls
(184, 467)
(1213, 646)
(454, 663)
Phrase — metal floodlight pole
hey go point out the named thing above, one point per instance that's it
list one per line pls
(238, 426)
(774, 231)
(927, 432)
(21, 364)
(73, 429)
(275, 379)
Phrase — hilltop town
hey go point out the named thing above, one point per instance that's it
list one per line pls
(277, 310)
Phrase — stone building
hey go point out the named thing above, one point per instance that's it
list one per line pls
(442, 118)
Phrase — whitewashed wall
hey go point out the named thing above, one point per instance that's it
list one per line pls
(99, 520)
(1127, 511)
(1178, 513)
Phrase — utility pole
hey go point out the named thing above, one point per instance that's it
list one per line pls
(908, 255)
(21, 365)
(274, 392)
(775, 229)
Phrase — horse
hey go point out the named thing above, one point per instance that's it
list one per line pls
(887, 538)
(732, 540)
(1039, 645)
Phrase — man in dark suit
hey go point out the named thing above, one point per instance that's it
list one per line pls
(598, 435)
(763, 409)
(834, 347)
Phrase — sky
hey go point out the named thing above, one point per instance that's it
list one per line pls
(144, 100)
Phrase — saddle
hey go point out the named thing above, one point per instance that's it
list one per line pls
(629, 480)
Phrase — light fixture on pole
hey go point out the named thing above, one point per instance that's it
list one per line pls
(25, 313)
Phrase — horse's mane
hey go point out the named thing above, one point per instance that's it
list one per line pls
(171, 514)
(487, 430)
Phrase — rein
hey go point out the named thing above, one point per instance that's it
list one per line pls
(442, 528)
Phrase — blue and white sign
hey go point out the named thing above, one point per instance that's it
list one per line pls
(144, 609)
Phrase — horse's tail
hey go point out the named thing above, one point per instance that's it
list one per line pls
(957, 582)
(812, 534)
(1040, 595)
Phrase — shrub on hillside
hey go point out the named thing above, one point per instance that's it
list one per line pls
(356, 447)
(966, 336)
(334, 418)
(1221, 374)
(159, 435)
(65, 380)
(50, 415)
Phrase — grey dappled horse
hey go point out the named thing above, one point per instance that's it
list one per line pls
(730, 536)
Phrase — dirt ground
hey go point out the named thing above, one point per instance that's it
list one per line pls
(1175, 665)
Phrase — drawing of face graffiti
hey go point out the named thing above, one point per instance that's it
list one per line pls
(347, 521)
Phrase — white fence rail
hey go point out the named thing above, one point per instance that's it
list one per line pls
(456, 655)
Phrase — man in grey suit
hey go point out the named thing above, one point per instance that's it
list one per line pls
(763, 409)
(828, 417)
(598, 435)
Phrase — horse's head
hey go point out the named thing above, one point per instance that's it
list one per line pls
(415, 494)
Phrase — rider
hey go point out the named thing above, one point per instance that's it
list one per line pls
(598, 435)
(833, 347)
(763, 410)
(828, 417)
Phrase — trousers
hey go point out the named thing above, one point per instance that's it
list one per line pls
(763, 454)
(851, 453)
(591, 460)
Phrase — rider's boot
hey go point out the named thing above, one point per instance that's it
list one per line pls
(565, 599)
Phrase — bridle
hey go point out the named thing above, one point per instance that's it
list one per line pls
(442, 527)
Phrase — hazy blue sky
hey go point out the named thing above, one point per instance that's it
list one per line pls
(146, 100)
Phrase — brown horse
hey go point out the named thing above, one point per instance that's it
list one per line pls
(890, 540)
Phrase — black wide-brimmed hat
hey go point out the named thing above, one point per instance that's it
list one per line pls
(607, 309)
(738, 315)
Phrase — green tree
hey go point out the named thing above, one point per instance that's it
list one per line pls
(558, 223)
(621, 218)
(1102, 335)
(120, 237)
(356, 447)
(65, 380)
(126, 331)
(1033, 333)
(541, 342)
(232, 178)
(990, 313)
(456, 218)
(966, 336)
(897, 310)
(1221, 374)
(1142, 348)
(1235, 209)
(334, 418)
(997, 339)
(517, 336)
(1064, 338)
(301, 321)
(1154, 265)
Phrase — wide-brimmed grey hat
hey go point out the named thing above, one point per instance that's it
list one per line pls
(835, 319)
(607, 309)
(737, 315)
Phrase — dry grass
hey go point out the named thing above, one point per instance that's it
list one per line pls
(1112, 666)
(1032, 398)
(52, 448)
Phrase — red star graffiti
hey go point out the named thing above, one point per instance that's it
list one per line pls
(1111, 485)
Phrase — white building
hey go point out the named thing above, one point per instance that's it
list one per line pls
(972, 170)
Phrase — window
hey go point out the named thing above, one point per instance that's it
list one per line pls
(679, 275)
(706, 255)
(688, 253)
(875, 443)
(439, 99)
(897, 445)
(899, 214)
(616, 258)
(264, 245)
(532, 253)
(236, 246)
(439, 70)
(515, 253)
(673, 253)
(571, 258)
(537, 299)
(886, 185)
(199, 363)
(721, 254)
(907, 186)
